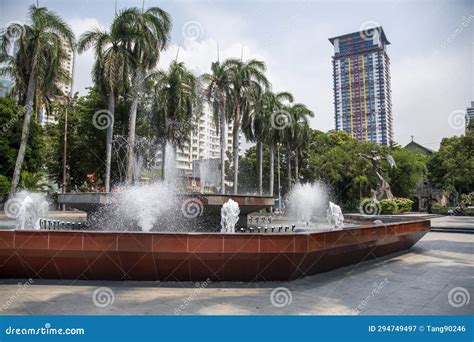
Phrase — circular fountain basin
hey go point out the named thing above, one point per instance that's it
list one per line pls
(197, 256)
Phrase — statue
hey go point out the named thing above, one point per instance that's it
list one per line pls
(383, 190)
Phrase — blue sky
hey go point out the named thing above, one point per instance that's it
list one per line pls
(432, 62)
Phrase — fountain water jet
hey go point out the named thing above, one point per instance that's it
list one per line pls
(27, 208)
(229, 216)
(307, 202)
(334, 215)
(139, 207)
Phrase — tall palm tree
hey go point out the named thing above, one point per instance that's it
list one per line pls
(246, 82)
(217, 87)
(176, 97)
(262, 130)
(109, 73)
(146, 34)
(295, 136)
(36, 57)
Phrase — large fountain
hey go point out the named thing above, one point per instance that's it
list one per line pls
(157, 232)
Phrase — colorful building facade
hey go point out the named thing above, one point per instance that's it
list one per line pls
(362, 93)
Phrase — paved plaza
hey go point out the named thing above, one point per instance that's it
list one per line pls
(425, 280)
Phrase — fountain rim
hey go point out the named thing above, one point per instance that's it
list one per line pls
(363, 226)
(177, 194)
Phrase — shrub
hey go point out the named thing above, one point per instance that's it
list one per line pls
(403, 204)
(388, 206)
(467, 199)
(4, 184)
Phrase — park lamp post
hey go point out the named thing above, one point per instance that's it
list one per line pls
(65, 101)
(278, 173)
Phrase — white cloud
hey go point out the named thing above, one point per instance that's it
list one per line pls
(424, 90)
(84, 62)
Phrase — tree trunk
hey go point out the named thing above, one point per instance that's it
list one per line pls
(174, 160)
(30, 95)
(223, 139)
(279, 177)
(297, 176)
(235, 145)
(272, 168)
(163, 159)
(108, 146)
(260, 167)
(131, 128)
(288, 157)
(131, 140)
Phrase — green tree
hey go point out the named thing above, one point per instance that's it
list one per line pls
(296, 135)
(86, 143)
(246, 82)
(261, 127)
(145, 35)
(38, 56)
(10, 135)
(176, 98)
(410, 170)
(109, 73)
(217, 92)
(452, 166)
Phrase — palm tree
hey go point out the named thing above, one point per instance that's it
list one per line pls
(145, 34)
(263, 130)
(37, 58)
(176, 97)
(34, 182)
(246, 81)
(109, 73)
(217, 86)
(296, 135)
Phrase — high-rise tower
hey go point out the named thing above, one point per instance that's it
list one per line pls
(362, 94)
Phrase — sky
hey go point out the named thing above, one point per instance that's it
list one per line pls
(431, 50)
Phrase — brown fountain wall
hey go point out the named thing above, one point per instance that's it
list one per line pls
(196, 256)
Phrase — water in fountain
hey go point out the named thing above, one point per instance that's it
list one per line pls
(141, 205)
(229, 216)
(137, 169)
(309, 208)
(307, 202)
(155, 206)
(27, 208)
(334, 215)
(171, 172)
(209, 173)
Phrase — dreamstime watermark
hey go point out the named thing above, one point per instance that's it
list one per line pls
(192, 297)
(13, 31)
(280, 119)
(370, 207)
(367, 300)
(102, 119)
(13, 298)
(103, 297)
(9, 125)
(47, 329)
(192, 30)
(281, 297)
(465, 22)
(457, 119)
(192, 208)
(13, 208)
(368, 29)
(458, 296)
